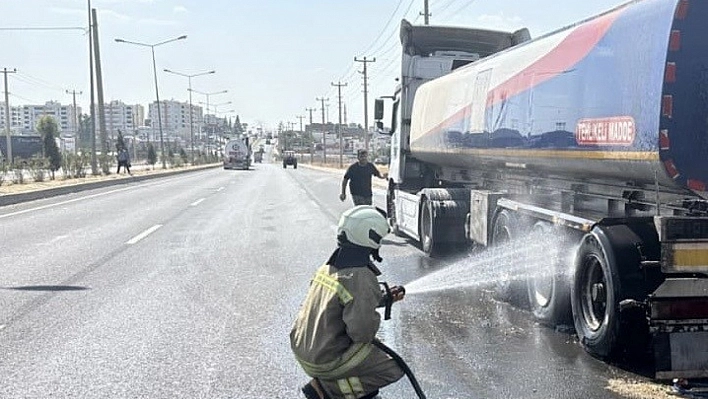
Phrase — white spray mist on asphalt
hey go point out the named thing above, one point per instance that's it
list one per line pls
(529, 257)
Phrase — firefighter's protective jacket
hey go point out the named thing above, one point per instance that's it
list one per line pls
(338, 319)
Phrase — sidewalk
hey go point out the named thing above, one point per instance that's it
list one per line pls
(16, 193)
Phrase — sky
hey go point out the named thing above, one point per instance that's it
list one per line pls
(274, 58)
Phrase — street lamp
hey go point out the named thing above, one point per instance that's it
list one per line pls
(191, 123)
(207, 102)
(157, 92)
(215, 111)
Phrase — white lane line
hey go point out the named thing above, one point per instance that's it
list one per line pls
(197, 202)
(220, 188)
(65, 202)
(143, 234)
(144, 184)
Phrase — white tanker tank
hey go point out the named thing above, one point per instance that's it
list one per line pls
(595, 134)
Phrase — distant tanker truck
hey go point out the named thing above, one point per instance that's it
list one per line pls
(237, 154)
(596, 134)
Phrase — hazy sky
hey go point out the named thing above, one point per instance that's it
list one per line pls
(273, 56)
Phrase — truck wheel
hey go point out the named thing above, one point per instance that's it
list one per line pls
(506, 228)
(549, 293)
(428, 229)
(594, 294)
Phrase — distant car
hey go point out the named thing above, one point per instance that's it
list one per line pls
(289, 158)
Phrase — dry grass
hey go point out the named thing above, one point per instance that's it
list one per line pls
(639, 390)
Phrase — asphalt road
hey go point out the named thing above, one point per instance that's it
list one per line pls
(186, 287)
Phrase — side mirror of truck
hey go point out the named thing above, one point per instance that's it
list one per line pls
(378, 109)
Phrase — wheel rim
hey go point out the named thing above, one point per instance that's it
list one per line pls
(542, 290)
(594, 294)
(427, 227)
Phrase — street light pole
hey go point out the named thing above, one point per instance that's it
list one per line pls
(207, 102)
(157, 91)
(191, 122)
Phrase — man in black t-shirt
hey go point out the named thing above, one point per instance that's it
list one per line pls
(359, 177)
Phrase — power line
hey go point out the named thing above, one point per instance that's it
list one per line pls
(385, 26)
(46, 28)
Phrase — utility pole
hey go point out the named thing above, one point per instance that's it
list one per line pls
(92, 111)
(302, 134)
(7, 117)
(76, 113)
(324, 134)
(339, 86)
(312, 147)
(99, 92)
(426, 12)
(366, 100)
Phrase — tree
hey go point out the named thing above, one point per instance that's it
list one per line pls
(238, 129)
(49, 130)
(152, 155)
(84, 139)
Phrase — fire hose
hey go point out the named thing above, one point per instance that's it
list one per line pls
(402, 364)
(390, 293)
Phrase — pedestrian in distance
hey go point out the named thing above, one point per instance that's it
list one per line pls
(358, 175)
(124, 161)
(333, 337)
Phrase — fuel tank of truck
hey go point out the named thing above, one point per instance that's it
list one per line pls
(622, 96)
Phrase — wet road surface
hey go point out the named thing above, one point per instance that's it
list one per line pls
(187, 287)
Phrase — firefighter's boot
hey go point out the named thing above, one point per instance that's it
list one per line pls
(313, 390)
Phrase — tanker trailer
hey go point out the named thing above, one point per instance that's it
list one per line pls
(596, 133)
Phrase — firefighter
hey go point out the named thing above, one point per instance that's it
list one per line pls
(333, 333)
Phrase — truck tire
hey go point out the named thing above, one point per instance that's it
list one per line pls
(607, 272)
(506, 228)
(549, 292)
(593, 297)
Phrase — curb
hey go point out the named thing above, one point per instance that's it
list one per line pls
(11, 199)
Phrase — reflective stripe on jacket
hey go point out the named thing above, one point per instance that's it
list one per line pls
(337, 321)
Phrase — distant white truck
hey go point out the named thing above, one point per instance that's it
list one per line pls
(237, 154)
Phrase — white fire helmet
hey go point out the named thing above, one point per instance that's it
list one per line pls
(363, 225)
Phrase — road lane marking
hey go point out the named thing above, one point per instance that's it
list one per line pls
(143, 234)
(197, 202)
(39, 208)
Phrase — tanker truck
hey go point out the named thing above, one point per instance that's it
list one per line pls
(596, 134)
(237, 154)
